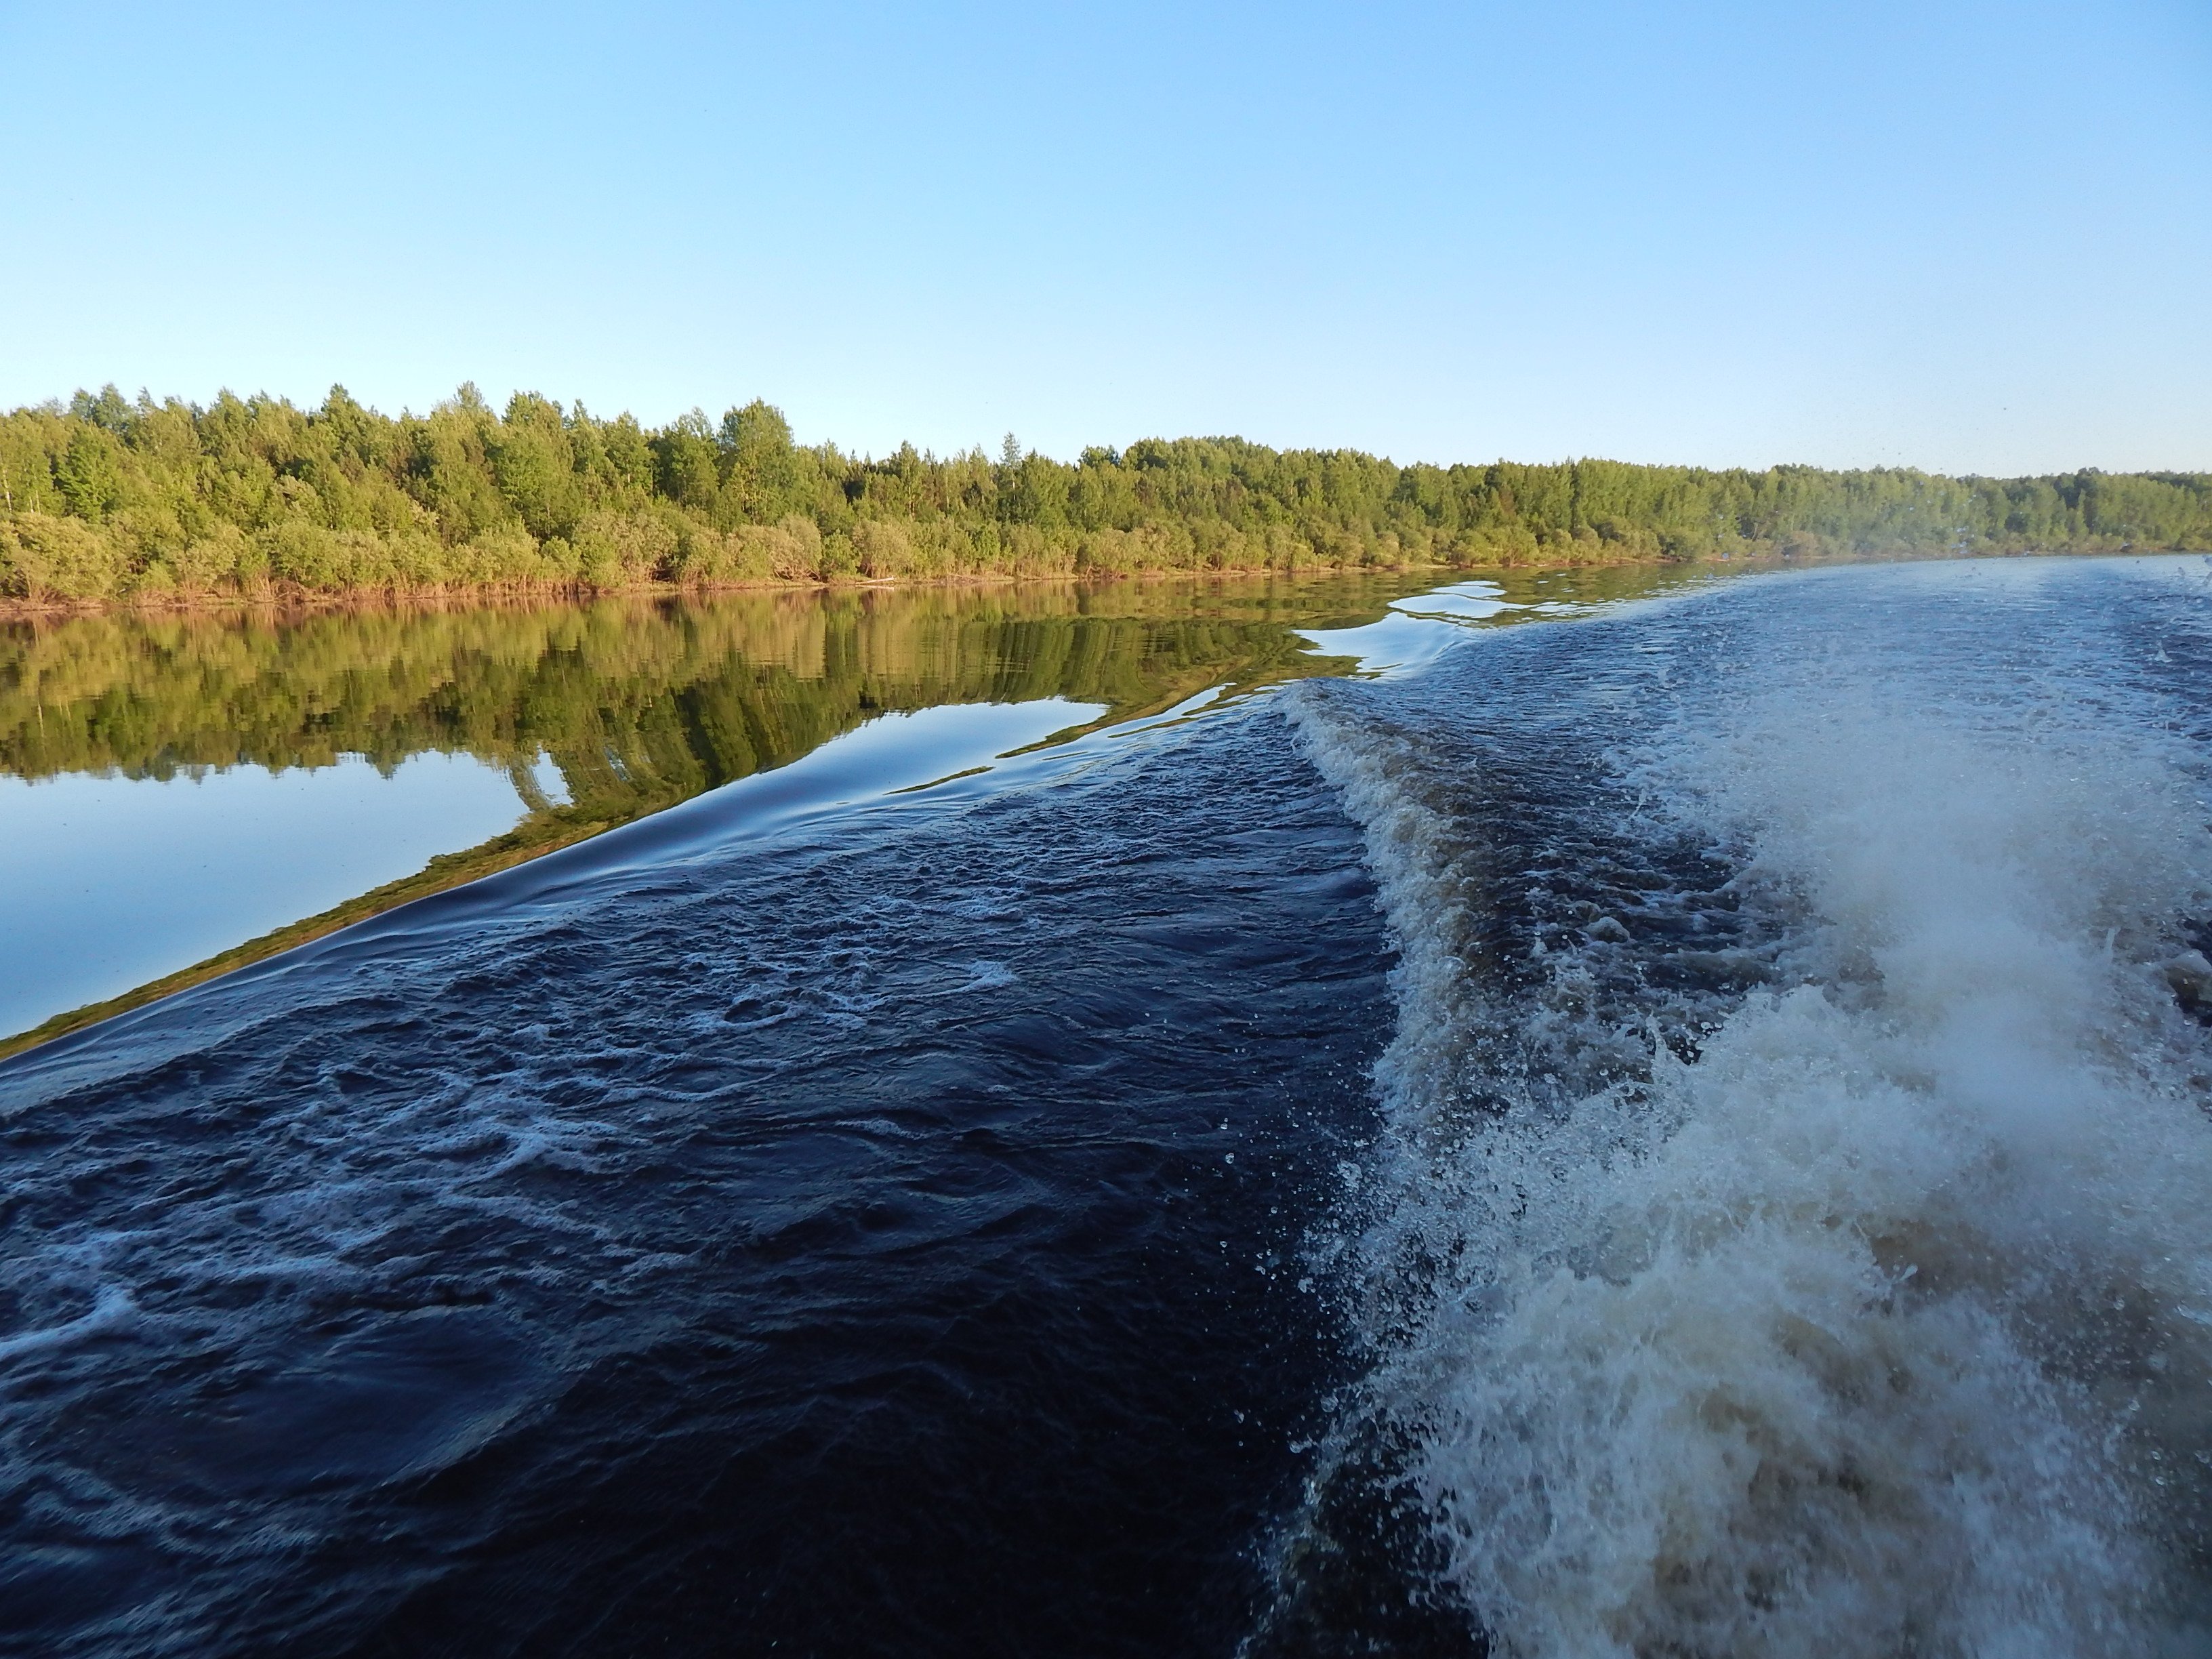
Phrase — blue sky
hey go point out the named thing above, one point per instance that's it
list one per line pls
(1962, 235)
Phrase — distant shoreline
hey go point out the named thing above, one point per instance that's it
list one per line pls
(253, 501)
(280, 599)
(107, 501)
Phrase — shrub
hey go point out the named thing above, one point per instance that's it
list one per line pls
(43, 558)
(884, 548)
(622, 550)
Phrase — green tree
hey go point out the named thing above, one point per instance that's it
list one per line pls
(88, 474)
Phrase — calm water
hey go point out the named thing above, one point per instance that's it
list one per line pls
(171, 790)
(1645, 1125)
(111, 881)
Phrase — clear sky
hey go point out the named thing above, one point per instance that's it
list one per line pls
(1952, 234)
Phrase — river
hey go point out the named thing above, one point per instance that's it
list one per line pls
(1574, 1116)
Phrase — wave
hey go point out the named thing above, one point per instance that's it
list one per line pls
(1802, 1249)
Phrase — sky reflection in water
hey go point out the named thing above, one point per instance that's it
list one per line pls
(108, 881)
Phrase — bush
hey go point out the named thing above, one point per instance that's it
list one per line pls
(507, 556)
(789, 550)
(45, 559)
(623, 550)
(884, 549)
(316, 558)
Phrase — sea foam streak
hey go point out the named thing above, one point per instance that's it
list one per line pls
(1883, 1325)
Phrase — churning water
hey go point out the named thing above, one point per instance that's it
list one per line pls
(1680, 1132)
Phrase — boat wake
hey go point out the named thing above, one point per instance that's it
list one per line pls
(1789, 1234)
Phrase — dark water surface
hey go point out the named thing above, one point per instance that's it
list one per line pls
(1677, 1129)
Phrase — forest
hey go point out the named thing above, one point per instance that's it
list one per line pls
(108, 500)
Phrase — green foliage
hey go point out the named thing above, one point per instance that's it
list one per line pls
(43, 558)
(108, 500)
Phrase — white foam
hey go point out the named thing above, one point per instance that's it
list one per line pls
(1886, 1326)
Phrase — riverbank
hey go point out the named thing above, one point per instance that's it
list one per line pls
(108, 502)
(288, 599)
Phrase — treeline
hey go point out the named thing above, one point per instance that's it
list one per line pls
(109, 499)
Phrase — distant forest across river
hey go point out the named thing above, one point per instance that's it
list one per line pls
(108, 500)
